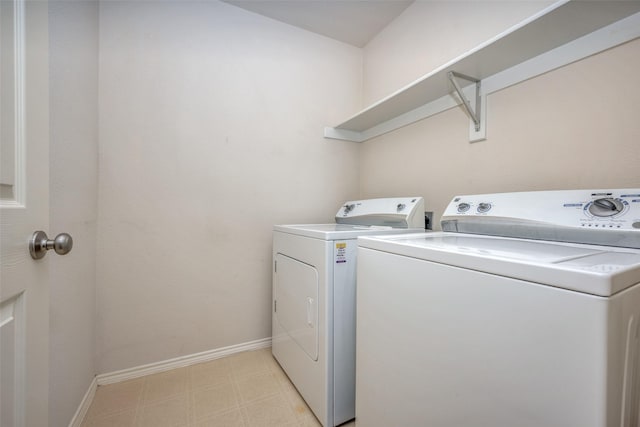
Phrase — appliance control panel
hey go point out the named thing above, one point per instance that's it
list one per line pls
(399, 212)
(550, 213)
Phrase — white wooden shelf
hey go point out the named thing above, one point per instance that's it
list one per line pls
(562, 33)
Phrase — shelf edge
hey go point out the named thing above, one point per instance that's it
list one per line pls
(343, 134)
(615, 34)
(452, 62)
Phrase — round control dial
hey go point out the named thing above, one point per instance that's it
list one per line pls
(605, 207)
(463, 207)
(348, 208)
(484, 207)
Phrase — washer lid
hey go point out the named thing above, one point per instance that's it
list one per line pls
(340, 231)
(597, 270)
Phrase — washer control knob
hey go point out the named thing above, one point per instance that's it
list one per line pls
(463, 207)
(605, 207)
(348, 208)
(484, 207)
(401, 206)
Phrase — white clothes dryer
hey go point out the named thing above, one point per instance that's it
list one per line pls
(506, 319)
(314, 268)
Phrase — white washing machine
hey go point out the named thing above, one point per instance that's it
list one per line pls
(506, 319)
(314, 268)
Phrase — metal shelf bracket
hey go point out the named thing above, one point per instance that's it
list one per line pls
(475, 114)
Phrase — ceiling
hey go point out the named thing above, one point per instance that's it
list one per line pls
(350, 21)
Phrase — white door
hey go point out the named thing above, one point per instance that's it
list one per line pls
(24, 202)
(296, 302)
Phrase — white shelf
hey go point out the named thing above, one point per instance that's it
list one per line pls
(563, 33)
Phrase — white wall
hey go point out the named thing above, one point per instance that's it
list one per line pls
(73, 39)
(211, 122)
(575, 127)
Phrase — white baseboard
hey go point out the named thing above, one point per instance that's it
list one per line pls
(78, 417)
(153, 368)
(179, 362)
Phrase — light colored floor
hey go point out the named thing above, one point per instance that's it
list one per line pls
(248, 389)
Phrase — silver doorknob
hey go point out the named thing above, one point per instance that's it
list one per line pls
(40, 244)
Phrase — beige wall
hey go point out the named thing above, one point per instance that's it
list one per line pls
(211, 131)
(73, 61)
(429, 34)
(575, 127)
(211, 123)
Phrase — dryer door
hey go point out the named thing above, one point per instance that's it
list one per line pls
(296, 302)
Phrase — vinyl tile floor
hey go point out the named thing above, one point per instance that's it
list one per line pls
(247, 389)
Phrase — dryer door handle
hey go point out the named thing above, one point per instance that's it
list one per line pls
(310, 302)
